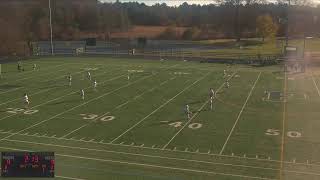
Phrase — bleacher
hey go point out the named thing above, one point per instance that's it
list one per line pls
(70, 48)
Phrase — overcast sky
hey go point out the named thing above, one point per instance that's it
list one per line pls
(174, 2)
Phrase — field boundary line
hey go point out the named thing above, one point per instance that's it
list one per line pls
(150, 148)
(82, 104)
(161, 106)
(240, 113)
(149, 165)
(164, 157)
(187, 123)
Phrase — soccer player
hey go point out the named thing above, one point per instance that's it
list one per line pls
(34, 66)
(95, 84)
(211, 102)
(212, 96)
(26, 100)
(224, 73)
(227, 84)
(89, 75)
(128, 76)
(70, 79)
(82, 94)
(212, 93)
(19, 66)
(187, 110)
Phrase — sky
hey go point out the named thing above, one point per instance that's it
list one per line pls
(175, 2)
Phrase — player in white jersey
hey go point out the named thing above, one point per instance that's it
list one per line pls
(95, 84)
(26, 100)
(128, 76)
(227, 84)
(82, 94)
(34, 67)
(212, 96)
(89, 75)
(70, 79)
(211, 102)
(224, 73)
(187, 111)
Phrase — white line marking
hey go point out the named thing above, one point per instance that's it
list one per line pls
(199, 110)
(82, 139)
(151, 165)
(122, 105)
(164, 104)
(315, 84)
(236, 122)
(74, 131)
(11, 90)
(101, 141)
(64, 177)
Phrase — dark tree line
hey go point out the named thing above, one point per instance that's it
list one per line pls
(24, 21)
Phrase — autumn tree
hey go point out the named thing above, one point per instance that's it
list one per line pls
(266, 28)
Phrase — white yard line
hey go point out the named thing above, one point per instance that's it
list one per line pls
(199, 110)
(164, 104)
(11, 90)
(239, 115)
(149, 165)
(315, 84)
(73, 131)
(64, 177)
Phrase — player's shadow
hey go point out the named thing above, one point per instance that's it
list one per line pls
(8, 86)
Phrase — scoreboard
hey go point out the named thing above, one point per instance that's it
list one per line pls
(27, 164)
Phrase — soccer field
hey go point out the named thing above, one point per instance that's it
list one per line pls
(264, 126)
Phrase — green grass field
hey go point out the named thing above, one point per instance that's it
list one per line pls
(137, 130)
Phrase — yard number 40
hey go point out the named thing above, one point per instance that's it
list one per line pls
(276, 132)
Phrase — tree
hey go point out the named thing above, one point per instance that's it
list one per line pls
(266, 28)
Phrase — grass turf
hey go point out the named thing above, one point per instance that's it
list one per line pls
(137, 129)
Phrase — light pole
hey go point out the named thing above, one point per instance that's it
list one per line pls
(287, 26)
(50, 20)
